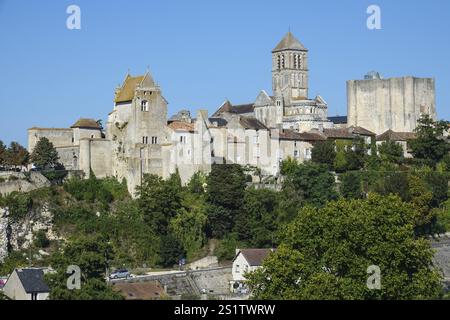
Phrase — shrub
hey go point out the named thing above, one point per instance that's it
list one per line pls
(41, 240)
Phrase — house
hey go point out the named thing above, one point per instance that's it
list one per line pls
(402, 138)
(246, 261)
(140, 290)
(26, 284)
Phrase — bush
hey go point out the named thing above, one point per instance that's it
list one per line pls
(19, 204)
(41, 240)
(93, 189)
(226, 248)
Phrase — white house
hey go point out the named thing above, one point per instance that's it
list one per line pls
(246, 261)
(26, 284)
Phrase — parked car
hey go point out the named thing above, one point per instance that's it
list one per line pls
(120, 274)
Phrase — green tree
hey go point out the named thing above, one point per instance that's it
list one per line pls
(324, 152)
(92, 256)
(171, 250)
(225, 194)
(312, 182)
(44, 154)
(355, 157)
(197, 183)
(189, 225)
(391, 151)
(326, 252)
(159, 200)
(429, 144)
(256, 224)
(351, 185)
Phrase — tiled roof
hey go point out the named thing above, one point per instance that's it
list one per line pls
(255, 257)
(86, 123)
(182, 126)
(126, 93)
(396, 136)
(140, 290)
(288, 134)
(338, 133)
(252, 123)
(361, 131)
(32, 280)
(289, 42)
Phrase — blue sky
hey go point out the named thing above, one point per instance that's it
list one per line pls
(202, 52)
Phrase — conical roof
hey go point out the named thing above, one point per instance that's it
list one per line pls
(289, 42)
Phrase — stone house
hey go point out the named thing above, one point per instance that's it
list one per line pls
(402, 138)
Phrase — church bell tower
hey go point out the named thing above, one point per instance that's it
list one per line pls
(290, 70)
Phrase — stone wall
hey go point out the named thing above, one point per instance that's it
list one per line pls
(396, 104)
(59, 137)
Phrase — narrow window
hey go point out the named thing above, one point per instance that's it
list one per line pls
(144, 106)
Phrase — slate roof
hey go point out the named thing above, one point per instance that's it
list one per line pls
(396, 136)
(239, 109)
(86, 123)
(126, 93)
(338, 119)
(252, 123)
(220, 122)
(289, 42)
(255, 257)
(32, 280)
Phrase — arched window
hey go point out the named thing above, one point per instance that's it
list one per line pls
(279, 62)
(283, 65)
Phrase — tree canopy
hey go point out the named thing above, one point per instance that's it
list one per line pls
(326, 252)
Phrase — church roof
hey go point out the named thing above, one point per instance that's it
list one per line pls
(289, 42)
(87, 124)
(126, 92)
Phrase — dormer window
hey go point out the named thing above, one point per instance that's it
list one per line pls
(144, 106)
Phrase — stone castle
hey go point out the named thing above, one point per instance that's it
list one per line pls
(139, 138)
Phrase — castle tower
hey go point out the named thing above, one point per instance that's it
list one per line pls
(290, 70)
